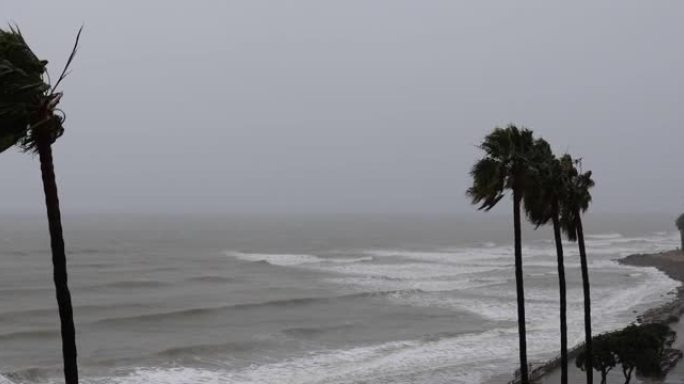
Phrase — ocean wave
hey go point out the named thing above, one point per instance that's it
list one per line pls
(441, 360)
(275, 259)
(450, 256)
(654, 240)
(383, 283)
(81, 310)
(27, 375)
(604, 236)
(131, 284)
(207, 349)
(350, 260)
(211, 279)
(31, 334)
(313, 331)
(411, 271)
(289, 260)
(22, 290)
(192, 312)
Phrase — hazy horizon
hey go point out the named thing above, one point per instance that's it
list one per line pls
(307, 107)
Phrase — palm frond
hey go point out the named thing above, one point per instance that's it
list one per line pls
(22, 88)
(577, 196)
(29, 110)
(504, 165)
(65, 71)
(544, 186)
(488, 183)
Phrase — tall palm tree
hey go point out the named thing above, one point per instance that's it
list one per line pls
(505, 166)
(680, 225)
(577, 200)
(30, 119)
(543, 201)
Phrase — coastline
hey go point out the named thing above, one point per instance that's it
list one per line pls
(672, 264)
(669, 262)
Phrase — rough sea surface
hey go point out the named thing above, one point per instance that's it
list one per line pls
(308, 299)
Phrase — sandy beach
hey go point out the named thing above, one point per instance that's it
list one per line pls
(672, 264)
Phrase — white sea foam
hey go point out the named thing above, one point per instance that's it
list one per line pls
(275, 259)
(604, 236)
(452, 360)
(349, 260)
(293, 259)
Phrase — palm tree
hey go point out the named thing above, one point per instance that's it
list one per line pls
(30, 119)
(543, 201)
(577, 200)
(680, 225)
(505, 166)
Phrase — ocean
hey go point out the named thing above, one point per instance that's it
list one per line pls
(309, 299)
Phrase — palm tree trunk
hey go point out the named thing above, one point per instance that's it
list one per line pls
(587, 297)
(681, 236)
(520, 291)
(563, 303)
(66, 316)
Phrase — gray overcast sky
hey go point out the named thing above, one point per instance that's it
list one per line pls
(349, 106)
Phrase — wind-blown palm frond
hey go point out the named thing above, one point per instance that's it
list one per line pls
(504, 166)
(28, 104)
(489, 179)
(22, 88)
(65, 71)
(577, 196)
(545, 186)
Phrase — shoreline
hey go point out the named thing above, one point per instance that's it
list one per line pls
(669, 262)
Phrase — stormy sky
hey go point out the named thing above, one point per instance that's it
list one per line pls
(349, 106)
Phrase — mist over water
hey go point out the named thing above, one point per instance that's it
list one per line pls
(308, 299)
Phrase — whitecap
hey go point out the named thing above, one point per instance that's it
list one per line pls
(275, 259)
